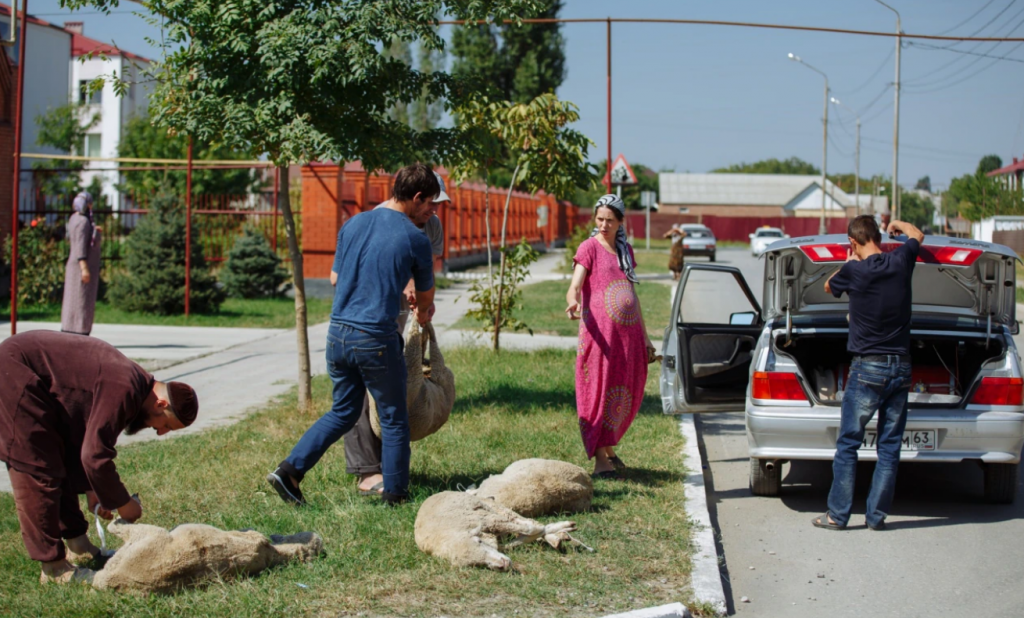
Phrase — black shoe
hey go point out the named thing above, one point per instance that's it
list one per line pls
(390, 499)
(879, 526)
(281, 482)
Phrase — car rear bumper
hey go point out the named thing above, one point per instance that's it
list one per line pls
(703, 250)
(810, 433)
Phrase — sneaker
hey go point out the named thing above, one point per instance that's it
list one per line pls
(281, 482)
(390, 499)
(77, 575)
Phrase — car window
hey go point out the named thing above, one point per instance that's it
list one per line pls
(701, 286)
(769, 234)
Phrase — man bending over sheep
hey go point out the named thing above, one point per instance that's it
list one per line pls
(64, 400)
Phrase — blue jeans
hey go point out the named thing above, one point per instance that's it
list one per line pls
(358, 362)
(881, 386)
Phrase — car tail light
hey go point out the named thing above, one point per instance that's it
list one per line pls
(777, 385)
(834, 252)
(1000, 392)
(953, 256)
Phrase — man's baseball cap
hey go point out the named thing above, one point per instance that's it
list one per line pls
(442, 196)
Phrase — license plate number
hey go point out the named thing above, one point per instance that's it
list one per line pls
(915, 440)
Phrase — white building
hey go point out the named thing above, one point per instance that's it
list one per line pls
(47, 80)
(114, 112)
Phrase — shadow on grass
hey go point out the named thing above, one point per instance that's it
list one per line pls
(523, 398)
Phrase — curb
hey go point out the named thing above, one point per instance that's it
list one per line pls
(706, 578)
(673, 610)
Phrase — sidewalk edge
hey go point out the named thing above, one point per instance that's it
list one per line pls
(672, 610)
(705, 578)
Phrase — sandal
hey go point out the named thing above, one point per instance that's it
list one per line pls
(619, 465)
(822, 521)
(77, 575)
(607, 474)
(376, 490)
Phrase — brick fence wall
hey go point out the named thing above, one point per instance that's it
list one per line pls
(331, 195)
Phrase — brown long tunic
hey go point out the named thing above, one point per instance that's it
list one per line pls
(79, 305)
(64, 400)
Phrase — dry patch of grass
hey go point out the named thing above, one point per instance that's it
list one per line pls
(509, 407)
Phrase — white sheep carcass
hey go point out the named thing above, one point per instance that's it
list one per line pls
(536, 487)
(466, 530)
(155, 560)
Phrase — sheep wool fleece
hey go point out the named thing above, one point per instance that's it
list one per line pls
(536, 487)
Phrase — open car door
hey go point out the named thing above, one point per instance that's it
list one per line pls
(709, 343)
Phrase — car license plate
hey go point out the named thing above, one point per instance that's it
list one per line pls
(915, 440)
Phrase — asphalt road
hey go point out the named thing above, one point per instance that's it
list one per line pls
(946, 551)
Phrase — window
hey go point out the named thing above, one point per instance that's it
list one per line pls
(93, 146)
(84, 96)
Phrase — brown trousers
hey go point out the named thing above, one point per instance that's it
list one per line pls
(48, 511)
(362, 446)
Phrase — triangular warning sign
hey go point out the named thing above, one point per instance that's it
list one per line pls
(622, 173)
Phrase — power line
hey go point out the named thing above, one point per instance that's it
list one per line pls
(875, 100)
(973, 15)
(881, 66)
(962, 51)
(962, 80)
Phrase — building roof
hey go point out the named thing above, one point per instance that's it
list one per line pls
(82, 45)
(1013, 168)
(5, 10)
(740, 189)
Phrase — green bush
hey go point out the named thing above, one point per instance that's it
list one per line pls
(484, 296)
(153, 280)
(252, 269)
(579, 234)
(41, 259)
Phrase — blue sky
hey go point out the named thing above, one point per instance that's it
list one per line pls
(692, 98)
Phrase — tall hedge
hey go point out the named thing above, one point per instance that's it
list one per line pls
(252, 269)
(155, 265)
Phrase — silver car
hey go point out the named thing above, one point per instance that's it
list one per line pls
(763, 237)
(785, 359)
(698, 240)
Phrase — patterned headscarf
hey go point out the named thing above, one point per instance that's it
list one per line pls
(82, 204)
(621, 244)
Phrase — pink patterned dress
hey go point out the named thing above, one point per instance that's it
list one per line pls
(611, 361)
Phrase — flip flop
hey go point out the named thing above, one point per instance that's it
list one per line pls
(618, 463)
(376, 490)
(607, 474)
(822, 521)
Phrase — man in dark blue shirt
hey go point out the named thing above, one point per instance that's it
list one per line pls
(378, 252)
(878, 286)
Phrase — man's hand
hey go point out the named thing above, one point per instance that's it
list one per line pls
(410, 293)
(907, 229)
(423, 316)
(851, 256)
(93, 501)
(131, 511)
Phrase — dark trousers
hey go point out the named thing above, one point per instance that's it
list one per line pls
(48, 512)
(359, 362)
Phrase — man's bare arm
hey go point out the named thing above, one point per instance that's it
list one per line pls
(424, 302)
(907, 229)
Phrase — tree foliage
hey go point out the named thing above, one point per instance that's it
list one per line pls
(40, 269)
(64, 129)
(916, 209)
(252, 269)
(989, 163)
(154, 281)
(792, 165)
(143, 139)
(924, 183)
(647, 180)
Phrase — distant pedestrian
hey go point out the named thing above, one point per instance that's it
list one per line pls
(675, 256)
(879, 288)
(614, 349)
(378, 252)
(82, 271)
(362, 446)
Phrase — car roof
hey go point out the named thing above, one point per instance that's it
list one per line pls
(695, 226)
(769, 229)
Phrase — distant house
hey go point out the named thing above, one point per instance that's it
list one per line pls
(94, 59)
(1011, 174)
(757, 195)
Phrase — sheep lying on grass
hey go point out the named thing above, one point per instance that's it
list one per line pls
(535, 487)
(466, 530)
(154, 560)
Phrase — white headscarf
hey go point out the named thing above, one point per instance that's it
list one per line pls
(621, 244)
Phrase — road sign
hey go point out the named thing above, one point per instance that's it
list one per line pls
(622, 173)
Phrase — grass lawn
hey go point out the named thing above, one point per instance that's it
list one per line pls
(235, 312)
(544, 309)
(512, 406)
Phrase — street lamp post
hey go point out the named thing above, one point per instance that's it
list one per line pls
(856, 158)
(895, 209)
(824, 143)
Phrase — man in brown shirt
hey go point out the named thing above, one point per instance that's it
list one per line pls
(64, 400)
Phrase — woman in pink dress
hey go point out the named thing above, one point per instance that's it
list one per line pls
(614, 349)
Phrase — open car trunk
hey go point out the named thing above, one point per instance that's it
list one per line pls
(944, 366)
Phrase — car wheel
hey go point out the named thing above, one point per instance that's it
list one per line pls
(712, 257)
(765, 482)
(1000, 482)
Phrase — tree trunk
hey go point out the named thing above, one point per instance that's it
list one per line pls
(501, 268)
(301, 335)
(487, 224)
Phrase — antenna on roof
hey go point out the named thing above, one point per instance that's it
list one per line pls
(12, 34)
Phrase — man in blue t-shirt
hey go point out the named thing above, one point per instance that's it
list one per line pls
(378, 252)
(878, 286)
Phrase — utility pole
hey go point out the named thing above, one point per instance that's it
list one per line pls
(822, 229)
(895, 208)
(856, 160)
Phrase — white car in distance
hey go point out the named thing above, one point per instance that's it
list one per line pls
(763, 237)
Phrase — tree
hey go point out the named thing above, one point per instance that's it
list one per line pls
(977, 196)
(305, 80)
(143, 139)
(252, 269)
(547, 153)
(916, 209)
(792, 165)
(989, 163)
(923, 184)
(63, 128)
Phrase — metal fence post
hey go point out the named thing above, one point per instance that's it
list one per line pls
(188, 226)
